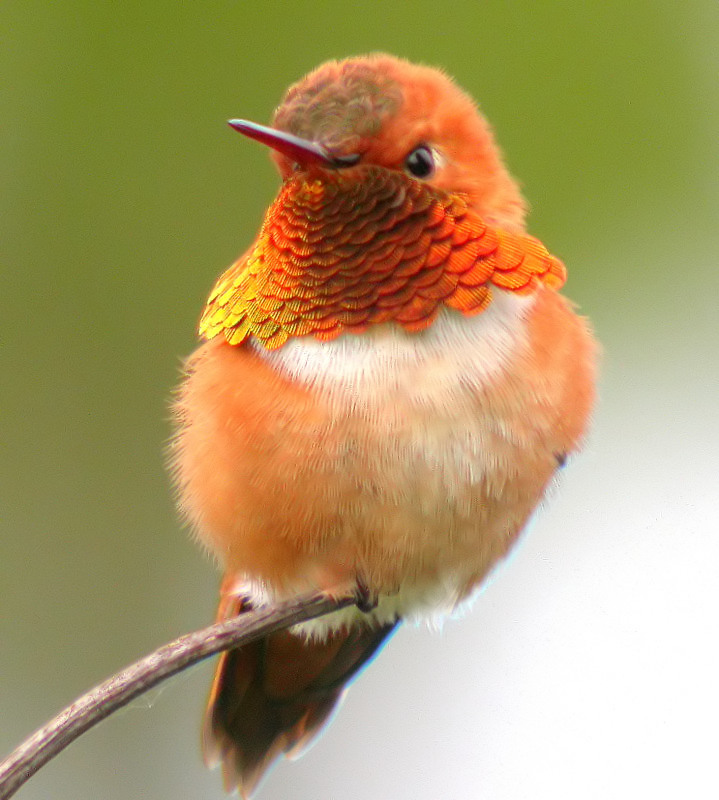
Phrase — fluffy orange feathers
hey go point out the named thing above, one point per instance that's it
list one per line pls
(404, 458)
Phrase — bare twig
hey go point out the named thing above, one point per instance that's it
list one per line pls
(132, 681)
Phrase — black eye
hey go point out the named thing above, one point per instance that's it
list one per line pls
(420, 162)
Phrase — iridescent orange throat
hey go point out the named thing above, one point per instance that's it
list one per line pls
(340, 251)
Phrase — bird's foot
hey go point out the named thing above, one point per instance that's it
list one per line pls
(366, 601)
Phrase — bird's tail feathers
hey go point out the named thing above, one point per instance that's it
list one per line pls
(275, 695)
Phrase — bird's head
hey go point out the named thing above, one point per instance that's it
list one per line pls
(395, 203)
(384, 111)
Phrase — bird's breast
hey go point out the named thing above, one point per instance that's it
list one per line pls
(407, 461)
(389, 367)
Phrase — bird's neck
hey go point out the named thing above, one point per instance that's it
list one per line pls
(337, 258)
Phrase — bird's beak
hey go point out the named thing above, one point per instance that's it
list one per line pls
(303, 151)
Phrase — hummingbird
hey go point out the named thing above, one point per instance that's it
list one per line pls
(388, 382)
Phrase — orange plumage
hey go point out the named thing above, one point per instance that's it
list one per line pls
(341, 251)
(389, 382)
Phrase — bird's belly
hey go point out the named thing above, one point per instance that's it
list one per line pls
(391, 460)
(418, 504)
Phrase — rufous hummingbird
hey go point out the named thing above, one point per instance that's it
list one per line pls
(388, 382)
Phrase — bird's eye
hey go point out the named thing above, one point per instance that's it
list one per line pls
(420, 162)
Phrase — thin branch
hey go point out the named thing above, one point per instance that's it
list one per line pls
(132, 681)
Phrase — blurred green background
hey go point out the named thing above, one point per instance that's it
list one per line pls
(588, 669)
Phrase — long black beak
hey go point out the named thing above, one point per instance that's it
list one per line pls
(303, 151)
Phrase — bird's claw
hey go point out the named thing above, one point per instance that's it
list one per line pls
(366, 601)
